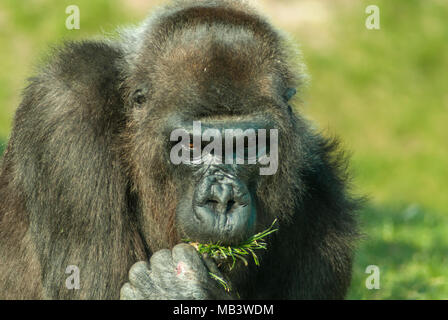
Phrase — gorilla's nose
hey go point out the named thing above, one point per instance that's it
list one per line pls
(221, 199)
(224, 208)
(222, 194)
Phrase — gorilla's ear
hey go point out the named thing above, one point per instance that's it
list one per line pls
(289, 93)
(138, 97)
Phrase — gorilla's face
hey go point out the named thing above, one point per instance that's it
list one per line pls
(220, 149)
(219, 165)
(214, 114)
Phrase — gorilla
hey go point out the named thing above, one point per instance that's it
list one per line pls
(88, 181)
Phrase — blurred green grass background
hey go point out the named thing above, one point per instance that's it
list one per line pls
(384, 92)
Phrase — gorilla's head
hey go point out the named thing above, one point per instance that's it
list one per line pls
(211, 90)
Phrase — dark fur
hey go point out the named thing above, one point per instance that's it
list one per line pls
(83, 180)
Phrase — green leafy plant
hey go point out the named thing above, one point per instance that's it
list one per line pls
(237, 252)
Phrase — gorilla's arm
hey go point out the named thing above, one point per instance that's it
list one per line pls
(65, 183)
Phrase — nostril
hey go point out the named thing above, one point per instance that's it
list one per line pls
(230, 205)
(218, 206)
(212, 204)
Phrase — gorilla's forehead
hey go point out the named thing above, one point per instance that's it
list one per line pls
(213, 47)
(236, 56)
(217, 65)
(212, 56)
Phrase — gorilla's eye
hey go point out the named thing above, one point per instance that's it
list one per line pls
(139, 97)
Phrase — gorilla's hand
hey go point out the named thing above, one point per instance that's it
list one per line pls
(178, 274)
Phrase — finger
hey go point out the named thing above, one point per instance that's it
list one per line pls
(211, 265)
(128, 292)
(162, 262)
(139, 275)
(188, 262)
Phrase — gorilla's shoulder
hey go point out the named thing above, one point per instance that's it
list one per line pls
(89, 69)
(78, 85)
(77, 78)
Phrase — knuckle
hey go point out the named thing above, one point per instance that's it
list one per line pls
(139, 267)
(139, 272)
(185, 250)
(127, 292)
(161, 256)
